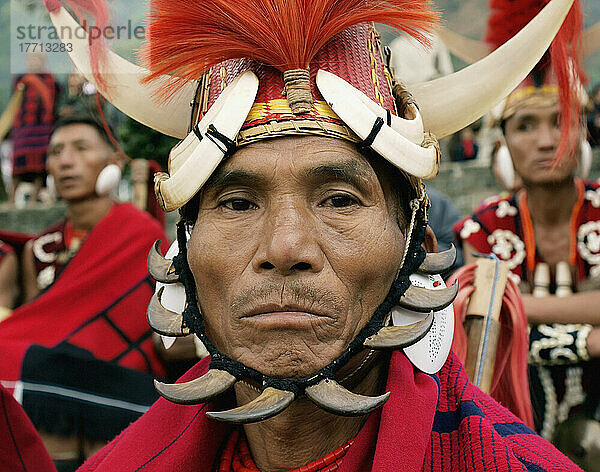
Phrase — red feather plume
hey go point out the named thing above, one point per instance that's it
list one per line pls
(508, 17)
(186, 37)
(89, 13)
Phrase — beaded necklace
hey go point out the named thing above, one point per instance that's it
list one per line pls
(529, 234)
(236, 457)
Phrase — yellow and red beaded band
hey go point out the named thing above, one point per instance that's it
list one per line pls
(530, 96)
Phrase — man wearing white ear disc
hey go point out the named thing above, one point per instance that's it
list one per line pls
(547, 232)
(86, 168)
(87, 291)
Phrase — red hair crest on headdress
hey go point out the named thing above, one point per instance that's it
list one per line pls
(98, 12)
(508, 17)
(186, 37)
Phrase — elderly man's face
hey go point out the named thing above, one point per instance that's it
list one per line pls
(295, 245)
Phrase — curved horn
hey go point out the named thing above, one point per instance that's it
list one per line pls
(348, 104)
(128, 94)
(332, 397)
(438, 262)
(268, 404)
(198, 158)
(411, 129)
(450, 103)
(160, 268)
(466, 49)
(424, 300)
(199, 390)
(398, 337)
(163, 321)
(591, 40)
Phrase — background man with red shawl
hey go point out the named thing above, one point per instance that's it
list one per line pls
(33, 124)
(300, 260)
(79, 356)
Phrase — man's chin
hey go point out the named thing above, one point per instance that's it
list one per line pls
(290, 362)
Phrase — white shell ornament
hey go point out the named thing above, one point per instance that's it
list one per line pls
(430, 353)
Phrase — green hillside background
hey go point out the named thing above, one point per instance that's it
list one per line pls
(465, 16)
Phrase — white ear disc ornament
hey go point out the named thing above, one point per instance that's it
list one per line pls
(108, 180)
(430, 353)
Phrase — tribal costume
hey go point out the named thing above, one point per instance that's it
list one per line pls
(82, 323)
(53, 249)
(33, 123)
(458, 428)
(257, 70)
(563, 378)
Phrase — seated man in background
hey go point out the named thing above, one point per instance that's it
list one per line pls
(548, 234)
(79, 355)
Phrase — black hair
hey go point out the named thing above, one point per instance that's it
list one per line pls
(102, 129)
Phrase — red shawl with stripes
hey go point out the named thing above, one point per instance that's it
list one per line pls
(429, 423)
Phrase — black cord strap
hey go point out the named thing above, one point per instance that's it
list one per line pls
(373, 134)
(196, 130)
(221, 140)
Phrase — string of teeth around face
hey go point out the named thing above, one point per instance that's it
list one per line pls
(327, 393)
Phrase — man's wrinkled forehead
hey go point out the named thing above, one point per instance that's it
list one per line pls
(312, 160)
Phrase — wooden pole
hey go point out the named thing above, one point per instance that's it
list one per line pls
(482, 323)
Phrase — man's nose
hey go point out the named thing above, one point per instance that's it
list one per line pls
(290, 242)
(548, 136)
(65, 158)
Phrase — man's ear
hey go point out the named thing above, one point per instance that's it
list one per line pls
(430, 244)
(117, 158)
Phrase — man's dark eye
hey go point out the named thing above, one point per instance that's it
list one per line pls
(239, 204)
(340, 201)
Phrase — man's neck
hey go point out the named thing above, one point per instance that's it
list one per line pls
(85, 214)
(304, 432)
(551, 204)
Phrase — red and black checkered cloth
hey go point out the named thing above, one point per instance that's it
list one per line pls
(33, 123)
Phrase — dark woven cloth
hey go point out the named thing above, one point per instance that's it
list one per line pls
(33, 123)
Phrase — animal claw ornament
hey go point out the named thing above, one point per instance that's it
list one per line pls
(438, 262)
(160, 268)
(268, 404)
(398, 337)
(163, 321)
(199, 390)
(332, 397)
(425, 300)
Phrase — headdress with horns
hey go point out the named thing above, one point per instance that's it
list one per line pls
(556, 78)
(265, 68)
